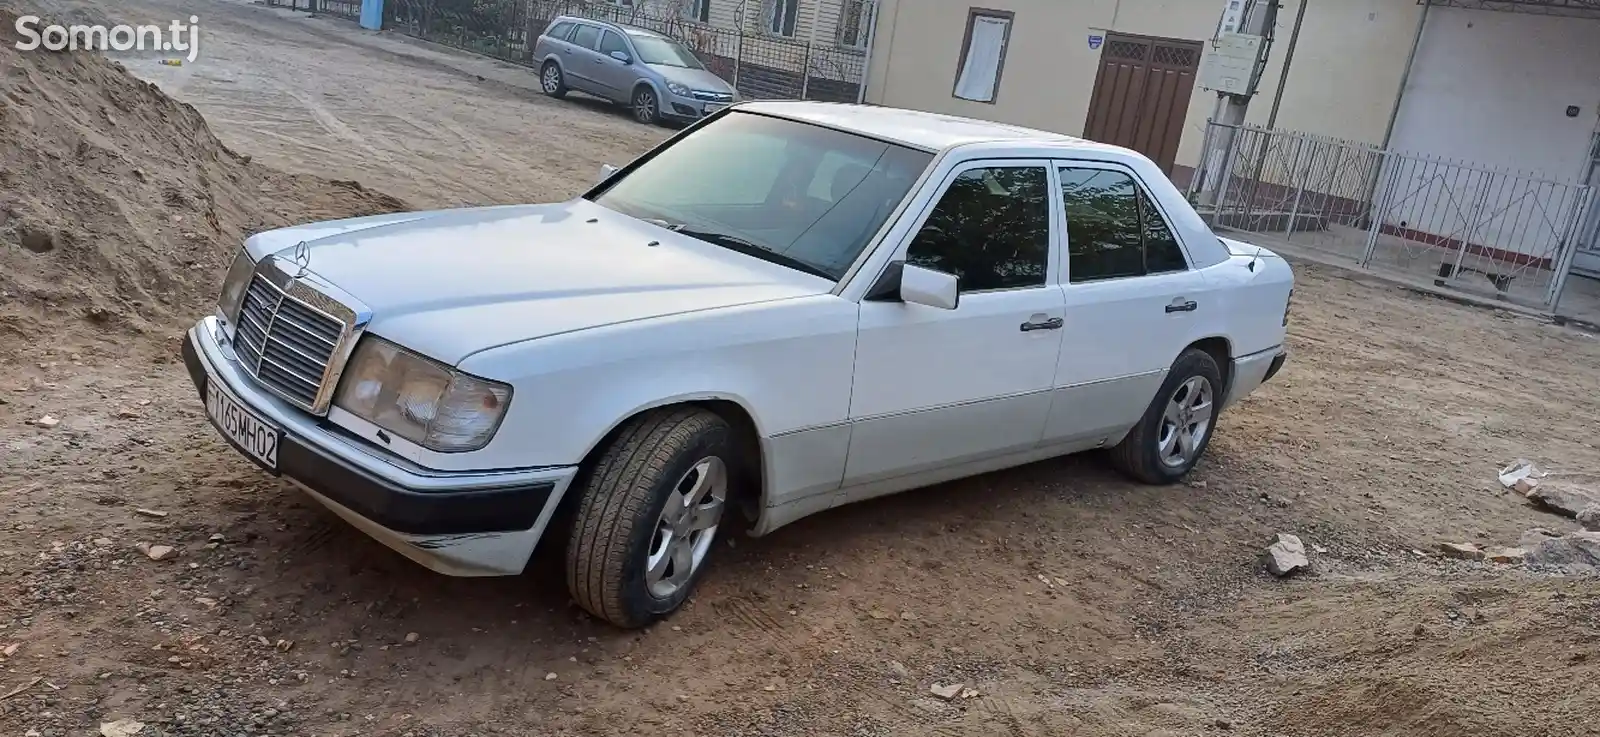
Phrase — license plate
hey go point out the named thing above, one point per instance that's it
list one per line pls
(247, 432)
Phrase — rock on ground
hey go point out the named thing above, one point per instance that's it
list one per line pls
(1286, 555)
(1464, 551)
(1564, 497)
(1578, 551)
(1589, 517)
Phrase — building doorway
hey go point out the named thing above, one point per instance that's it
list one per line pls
(1587, 259)
(1141, 94)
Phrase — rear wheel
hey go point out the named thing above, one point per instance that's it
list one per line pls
(551, 80)
(1176, 428)
(648, 515)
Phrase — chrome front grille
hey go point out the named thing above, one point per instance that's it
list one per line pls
(712, 96)
(288, 345)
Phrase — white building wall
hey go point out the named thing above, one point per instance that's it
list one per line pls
(1492, 89)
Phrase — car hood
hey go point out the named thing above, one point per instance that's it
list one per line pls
(450, 283)
(694, 79)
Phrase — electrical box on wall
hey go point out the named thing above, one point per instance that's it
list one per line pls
(1230, 63)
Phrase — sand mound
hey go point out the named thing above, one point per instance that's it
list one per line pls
(117, 204)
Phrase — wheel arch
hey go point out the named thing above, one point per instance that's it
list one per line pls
(1221, 350)
(733, 409)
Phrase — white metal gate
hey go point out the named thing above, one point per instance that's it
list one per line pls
(1587, 260)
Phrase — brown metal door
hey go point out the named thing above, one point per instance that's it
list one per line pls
(1141, 95)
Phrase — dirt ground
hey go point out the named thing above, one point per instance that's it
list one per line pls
(1072, 602)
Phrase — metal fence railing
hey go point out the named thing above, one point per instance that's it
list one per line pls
(759, 65)
(1510, 235)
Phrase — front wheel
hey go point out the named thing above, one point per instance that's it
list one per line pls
(646, 108)
(648, 515)
(1176, 428)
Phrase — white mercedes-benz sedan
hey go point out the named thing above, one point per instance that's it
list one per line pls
(784, 308)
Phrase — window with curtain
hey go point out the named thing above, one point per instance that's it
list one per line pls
(781, 16)
(696, 10)
(983, 55)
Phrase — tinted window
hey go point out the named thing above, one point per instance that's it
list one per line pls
(1112, 228)
(612, 42)
(666, 52)
(991, 228)
(1161, 251)
(560, 30)
(801, 195)
(586, 36)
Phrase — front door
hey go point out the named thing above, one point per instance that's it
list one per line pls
(1141, 95)
(1132, 304)
(936, 388)
(614, 75)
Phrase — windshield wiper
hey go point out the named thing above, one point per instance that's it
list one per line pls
(748, 248)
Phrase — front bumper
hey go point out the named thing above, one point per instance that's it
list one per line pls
(457, 523)
(681, 107)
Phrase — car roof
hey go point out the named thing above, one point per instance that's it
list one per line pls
(625, 28)
(914, 128)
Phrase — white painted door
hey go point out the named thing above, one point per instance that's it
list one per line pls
(936, 388)
(1132, 304)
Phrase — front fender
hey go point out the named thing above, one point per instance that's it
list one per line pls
(787, 363)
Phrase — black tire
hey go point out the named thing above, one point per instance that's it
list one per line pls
(620, 506)
(1139, 455)
(646, 105)
(552, 81)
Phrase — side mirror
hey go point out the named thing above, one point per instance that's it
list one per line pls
(902, 282)
(606, 170)
(920, 286)
(621, 56)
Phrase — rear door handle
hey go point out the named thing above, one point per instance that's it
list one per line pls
(1181, 305)
(1053, 323)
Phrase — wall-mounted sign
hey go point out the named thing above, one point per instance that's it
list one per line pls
(1095, 41)
(1232, 17)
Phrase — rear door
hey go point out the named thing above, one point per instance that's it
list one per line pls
(581, 57)
(1132, 303)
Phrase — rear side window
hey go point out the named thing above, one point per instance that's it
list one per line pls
(586, 36)
(561, 30)
(1113, 228)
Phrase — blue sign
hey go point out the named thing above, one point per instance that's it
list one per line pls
(1095, 41)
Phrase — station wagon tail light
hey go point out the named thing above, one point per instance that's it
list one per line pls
(420, 399)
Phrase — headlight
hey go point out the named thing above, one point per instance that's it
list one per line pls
(234, 284)
(420, 399)
(678, 89)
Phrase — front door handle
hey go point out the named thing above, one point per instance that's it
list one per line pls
(1181, 305)
(1053, 323)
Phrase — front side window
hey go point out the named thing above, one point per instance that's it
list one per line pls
(586, 36)
(657, 50)
(1113, 229)
(991, 229)
(805, 196)
(983, 55)
(612, 42)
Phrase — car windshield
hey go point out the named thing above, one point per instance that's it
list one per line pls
(657, 50)
(796, 194)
